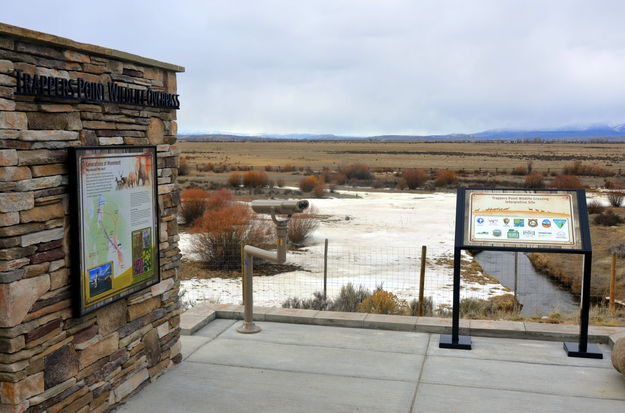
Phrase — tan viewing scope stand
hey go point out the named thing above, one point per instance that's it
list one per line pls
(273, 208)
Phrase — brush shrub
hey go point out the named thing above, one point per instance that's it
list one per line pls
(255, 179)
(301, 226)
(428, 307)
(235, 179)
(349, 298)
(382, 302)
(318, 302)
(193, 203)
(445, 177)
(534, 180)
(308, 184)
(616, 198)
(223, 227)
(578, 168)
(567, 182)
(183, 168)
(414, 178)
(608, 219)
(359, 171)
(594, 207)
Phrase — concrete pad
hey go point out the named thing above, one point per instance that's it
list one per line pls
(497, 328)
(523, 351)
(291, 315)
(308, 359)
(479, 400)
(339, 319)
(189, 344)
(390, 322)
(526, 377)
(216, 327)
(336, 337)
(441, 325)
(197, 388)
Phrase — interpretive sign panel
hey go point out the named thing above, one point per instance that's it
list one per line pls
(116, 218)
(522, 218)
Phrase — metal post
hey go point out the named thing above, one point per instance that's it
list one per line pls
(422, 279)
(612, 305)
(583, 349)
(454, 340)
(516, 276)
(248, 326)
(249, 252)
(325, 269)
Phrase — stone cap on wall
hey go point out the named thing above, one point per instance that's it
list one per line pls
(49, 39)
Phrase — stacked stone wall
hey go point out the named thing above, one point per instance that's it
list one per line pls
(50, 359)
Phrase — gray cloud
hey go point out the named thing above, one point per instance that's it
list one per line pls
(367, 67)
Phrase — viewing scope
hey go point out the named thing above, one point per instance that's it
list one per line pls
(288, 207)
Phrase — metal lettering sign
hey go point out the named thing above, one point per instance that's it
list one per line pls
(87, 91)
(115, 223)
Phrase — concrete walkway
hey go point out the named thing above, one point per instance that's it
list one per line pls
(308, 368)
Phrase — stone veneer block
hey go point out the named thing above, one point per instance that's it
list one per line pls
(14, 202)
(17, 298)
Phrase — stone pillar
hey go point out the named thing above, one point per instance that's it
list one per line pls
(49, 359)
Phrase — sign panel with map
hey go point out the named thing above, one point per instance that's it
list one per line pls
(117, 222)
(522, 218)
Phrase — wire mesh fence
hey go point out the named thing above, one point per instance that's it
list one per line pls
(316, 277)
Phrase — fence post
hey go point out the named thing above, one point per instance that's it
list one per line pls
(422, 279)
(612, 306)
(325, 270)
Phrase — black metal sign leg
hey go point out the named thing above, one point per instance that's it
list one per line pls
(455, 340)
(583, 348)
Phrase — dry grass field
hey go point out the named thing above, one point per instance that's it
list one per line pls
(490, 161)
(468, 155)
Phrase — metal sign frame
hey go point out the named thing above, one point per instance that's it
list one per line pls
(584, 247)
(124, 178)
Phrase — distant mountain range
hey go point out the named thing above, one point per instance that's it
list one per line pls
(591, 133)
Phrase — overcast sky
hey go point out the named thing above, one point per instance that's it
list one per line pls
(365, 67)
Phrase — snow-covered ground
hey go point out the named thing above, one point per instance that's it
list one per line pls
(375, 239)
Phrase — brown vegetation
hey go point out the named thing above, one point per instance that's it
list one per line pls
(567, 182)
(534, 180)
(445, 177)
(414, 178)
(223, 228)
(193, 203)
